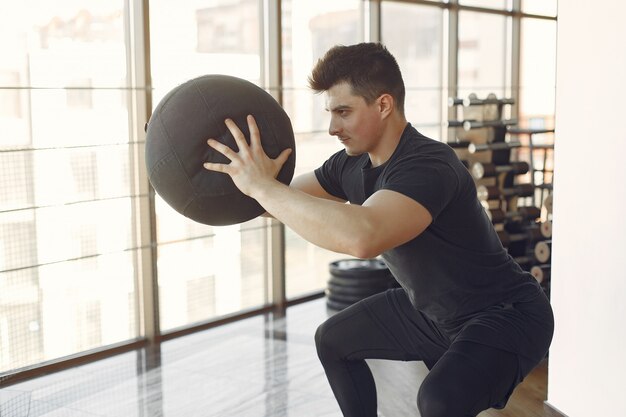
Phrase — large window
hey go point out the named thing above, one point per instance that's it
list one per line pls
(484, 54)
(205, 271)
(83, 246)
(420, 60)
(67, 275)
(309, 30)
(537, 73)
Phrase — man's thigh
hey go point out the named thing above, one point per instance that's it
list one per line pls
(385, 326)
(467, 379)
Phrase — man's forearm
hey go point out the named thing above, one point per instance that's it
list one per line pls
(332, 225)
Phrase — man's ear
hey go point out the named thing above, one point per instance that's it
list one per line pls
(386, 105)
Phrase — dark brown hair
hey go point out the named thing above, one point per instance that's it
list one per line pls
(369, 68)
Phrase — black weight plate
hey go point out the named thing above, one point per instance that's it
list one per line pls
(358, 268)
(343, 298)
(333, 305)
(355, 291)
(361, 281)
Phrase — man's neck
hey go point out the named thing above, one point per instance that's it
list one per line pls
(389, 141)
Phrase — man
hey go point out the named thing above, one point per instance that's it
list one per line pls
(465, 308)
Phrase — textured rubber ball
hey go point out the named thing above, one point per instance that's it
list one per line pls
(176, 146)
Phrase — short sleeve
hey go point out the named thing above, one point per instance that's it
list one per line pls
(431, 182)
(329, 175)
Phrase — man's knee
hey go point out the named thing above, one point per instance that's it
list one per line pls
(330, 340)
(429, 403)
(319, 336)
(323, 341)
(434, 400)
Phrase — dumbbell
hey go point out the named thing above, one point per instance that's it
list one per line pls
(543, 251)
(546, 228)
(472, 100)
(455, 123)
(547, 203)
(458, 143)
(490, 192)
(475, 124)
(525, 262)
(524, 213)
(531, 234)
(494, 146)
(486, 169)
(541, 272)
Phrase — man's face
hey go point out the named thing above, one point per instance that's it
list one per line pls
(355, 123)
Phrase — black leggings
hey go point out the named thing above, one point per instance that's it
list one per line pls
(465, 378)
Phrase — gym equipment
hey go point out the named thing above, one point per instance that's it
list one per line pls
(475, 124)
(546, 229)
(359, 268)
(352, 280)
(486, 169)
(524, 213)
(355, 290)
(525, 262)
(176, 146)
(476, 110)
(547, 203)
(370, 283)
(472, 100)
(529, 235)
(337, 306)
(494, 146)
(543, 251)
(532, 147)
(490, 192)
(497, 151)
(459, 144)
(541, 272)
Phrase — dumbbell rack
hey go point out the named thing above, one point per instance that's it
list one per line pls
(542, 197)
(543, 186)
(485, 142)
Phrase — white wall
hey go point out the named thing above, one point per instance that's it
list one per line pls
(587, 371)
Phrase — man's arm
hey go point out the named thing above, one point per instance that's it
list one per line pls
(386, 220)
(309, 184)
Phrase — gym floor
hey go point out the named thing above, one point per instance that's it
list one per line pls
(260, 366)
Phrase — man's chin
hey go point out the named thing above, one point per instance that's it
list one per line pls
(352, 152)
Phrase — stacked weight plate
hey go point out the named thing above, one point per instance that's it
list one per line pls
(352, 280)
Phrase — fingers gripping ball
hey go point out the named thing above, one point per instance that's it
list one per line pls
(176, 146)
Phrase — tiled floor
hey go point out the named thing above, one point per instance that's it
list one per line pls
(261, 366)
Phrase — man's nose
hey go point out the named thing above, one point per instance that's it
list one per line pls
(333, 128)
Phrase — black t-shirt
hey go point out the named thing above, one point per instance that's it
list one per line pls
(457, 267)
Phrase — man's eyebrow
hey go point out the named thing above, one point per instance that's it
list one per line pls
(339, 108)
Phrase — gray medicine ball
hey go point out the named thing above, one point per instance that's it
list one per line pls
(176, 146)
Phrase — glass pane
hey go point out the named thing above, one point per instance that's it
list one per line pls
(202, 278)
(63, 43)
(206, 271)
(309, 30)
(489, 4)
(420, 59)
(55, 310)
(537, 73)
(67, 241)
(64, 176)
(540, 7)
(483, 55)
(204, 37)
